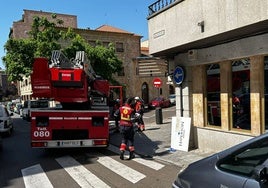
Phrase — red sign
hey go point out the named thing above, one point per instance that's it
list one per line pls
(157, 82)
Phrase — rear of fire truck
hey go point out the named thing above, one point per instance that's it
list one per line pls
(82, 121)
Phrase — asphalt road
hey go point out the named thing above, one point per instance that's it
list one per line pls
(22, 166)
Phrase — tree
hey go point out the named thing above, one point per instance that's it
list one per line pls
(104, 61)
(19, 58)
(44, 37)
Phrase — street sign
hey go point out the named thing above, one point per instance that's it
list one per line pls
(178, 75)
(157, 82)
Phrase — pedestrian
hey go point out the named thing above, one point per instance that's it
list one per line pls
(116, 118)
(139, 108)
(126, 114)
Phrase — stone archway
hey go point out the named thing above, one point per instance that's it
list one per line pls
(145, 93)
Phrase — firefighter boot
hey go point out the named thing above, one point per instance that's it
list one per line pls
(131, 155)
(122, 154)
(142, 127)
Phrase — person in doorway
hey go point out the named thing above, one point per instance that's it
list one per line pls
(139, 108)
(126, 114)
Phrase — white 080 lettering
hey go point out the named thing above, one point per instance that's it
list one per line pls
(41, 133)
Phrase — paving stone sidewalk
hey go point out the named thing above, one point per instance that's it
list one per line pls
(155, 142)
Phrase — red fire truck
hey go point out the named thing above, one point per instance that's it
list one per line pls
(82, 120)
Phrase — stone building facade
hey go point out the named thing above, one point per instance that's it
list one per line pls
(21, 27)
(222, 45)
(127, 46)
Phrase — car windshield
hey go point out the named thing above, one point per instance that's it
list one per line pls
(244, 162)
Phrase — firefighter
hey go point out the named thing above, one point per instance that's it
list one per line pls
(139, 108)
(126, 114)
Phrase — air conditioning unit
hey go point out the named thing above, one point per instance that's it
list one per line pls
(192, 55)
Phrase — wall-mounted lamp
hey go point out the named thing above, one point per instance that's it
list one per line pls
(202, 25)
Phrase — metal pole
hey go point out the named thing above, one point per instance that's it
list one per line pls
(181, 100)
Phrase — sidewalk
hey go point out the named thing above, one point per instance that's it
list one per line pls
(155, 143)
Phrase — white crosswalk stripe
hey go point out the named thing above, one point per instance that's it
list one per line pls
(79, 173)
(35, 177)
(149, 163)
(121, 169)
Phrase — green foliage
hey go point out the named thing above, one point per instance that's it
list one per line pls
(104, 61)
(75, 43)
(44, 37)
(19, 58)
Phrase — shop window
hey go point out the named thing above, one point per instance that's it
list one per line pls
(213, 95)
(241, 94)
(266, 91)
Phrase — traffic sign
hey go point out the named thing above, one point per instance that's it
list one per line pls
(178, 75)
(157, 82)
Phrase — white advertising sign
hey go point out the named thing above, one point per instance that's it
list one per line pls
(180, 133)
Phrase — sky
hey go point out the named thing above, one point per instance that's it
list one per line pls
(129, 15)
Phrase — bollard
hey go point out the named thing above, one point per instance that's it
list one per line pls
(158, 115)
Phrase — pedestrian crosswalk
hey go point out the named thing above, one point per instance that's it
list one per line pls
(79, 173)
(35, 177)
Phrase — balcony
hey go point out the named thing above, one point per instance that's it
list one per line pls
(160, 5)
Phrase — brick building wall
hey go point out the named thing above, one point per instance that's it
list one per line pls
(21, 27)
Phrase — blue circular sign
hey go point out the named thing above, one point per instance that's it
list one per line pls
(178, 75)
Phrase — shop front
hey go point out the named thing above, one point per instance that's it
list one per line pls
(227, 88)
(231, 102)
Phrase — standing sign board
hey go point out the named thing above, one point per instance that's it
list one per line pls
(180, 133)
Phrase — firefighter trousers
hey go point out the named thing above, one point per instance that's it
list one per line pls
(127, 137)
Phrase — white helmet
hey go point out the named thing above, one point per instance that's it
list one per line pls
(137, 98)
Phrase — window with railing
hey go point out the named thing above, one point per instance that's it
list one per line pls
(122, 72)
(119, 46)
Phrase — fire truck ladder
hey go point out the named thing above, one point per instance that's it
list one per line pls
(58, 59)
(81, 61)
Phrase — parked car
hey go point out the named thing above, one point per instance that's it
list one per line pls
(159, 102)
(242, 166)
(30, 104)
(6, 122)
(172, 99)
